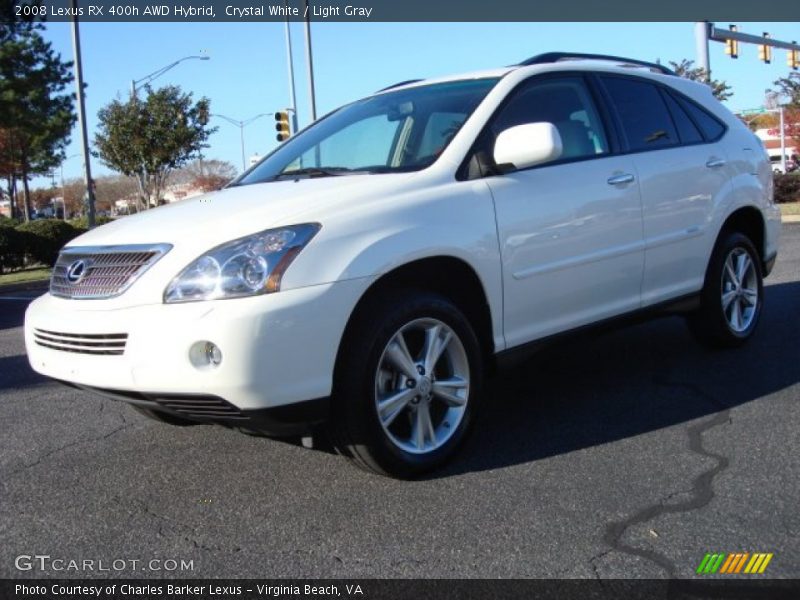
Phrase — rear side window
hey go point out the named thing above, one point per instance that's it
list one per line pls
(687, 130)
(710, 126)
(646, 122)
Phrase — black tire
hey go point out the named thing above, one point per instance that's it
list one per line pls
(711, 323)
(162, 417)
(355, 428)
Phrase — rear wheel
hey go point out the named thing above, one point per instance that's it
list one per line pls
(733, 294)
(407, 385)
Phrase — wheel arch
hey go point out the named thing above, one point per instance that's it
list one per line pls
(748, 221)
(449, 276)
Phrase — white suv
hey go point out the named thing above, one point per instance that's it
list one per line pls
(368, 272)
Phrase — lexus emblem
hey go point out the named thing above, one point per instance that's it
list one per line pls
(76, 271)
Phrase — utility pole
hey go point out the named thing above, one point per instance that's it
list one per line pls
(310, 67)
(292, 96)
(87, 169)
(783, 140)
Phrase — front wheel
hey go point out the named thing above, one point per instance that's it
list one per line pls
(408, 384)
(733, 294)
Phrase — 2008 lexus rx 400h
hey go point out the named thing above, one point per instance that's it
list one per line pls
(367, 272)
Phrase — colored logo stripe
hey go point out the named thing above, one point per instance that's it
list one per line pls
(710, 563)
(734, 563)
(758, 563)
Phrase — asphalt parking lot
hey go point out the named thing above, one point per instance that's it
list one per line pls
(623, 454)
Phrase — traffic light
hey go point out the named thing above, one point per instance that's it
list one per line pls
(765, 52)
(793, 58)
(282, 125)
(732, 46)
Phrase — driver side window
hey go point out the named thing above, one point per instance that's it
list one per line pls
(564, 102)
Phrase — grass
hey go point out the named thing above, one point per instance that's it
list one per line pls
(790, 208)
(25, 275)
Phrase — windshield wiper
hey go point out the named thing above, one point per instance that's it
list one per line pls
(314, 172)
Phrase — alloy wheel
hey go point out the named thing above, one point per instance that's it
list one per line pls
(422, 386)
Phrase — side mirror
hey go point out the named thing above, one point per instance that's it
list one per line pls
(527, 145)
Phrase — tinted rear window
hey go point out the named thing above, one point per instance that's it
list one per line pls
(686, 128)
(645, 119)
(710, 126)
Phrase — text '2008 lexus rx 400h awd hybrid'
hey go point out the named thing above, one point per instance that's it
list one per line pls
(365, 274)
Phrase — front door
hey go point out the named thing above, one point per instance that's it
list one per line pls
(571, 231)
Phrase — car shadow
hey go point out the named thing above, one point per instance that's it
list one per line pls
(598, 388)
(16, 373)
(12, 313)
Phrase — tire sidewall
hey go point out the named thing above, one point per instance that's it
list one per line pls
(714, 285)
(371, 340)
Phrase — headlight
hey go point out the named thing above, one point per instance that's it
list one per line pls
(248, 266)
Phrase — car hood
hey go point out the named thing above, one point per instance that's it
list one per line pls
(205, 221)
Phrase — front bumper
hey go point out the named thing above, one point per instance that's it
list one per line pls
(291, 419)
(278, 350)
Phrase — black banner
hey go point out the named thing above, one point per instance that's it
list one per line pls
(396, 589)
(409, 10)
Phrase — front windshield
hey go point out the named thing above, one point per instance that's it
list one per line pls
(404, 130)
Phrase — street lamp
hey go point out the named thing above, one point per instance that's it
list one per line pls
(772, 100)
(241, 125)
(156, 74)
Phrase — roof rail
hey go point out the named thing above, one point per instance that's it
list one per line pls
(551, 57)
(398, 84)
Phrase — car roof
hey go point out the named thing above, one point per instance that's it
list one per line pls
(696, 90)
(617, 65)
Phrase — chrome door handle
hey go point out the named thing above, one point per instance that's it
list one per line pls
(618, 179)
(714, 163)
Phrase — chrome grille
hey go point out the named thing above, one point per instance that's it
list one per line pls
(82, 343)
(95, 272)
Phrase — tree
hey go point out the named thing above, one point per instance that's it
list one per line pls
(148, 139)
(685, 68)
(36, 115)
(111, 188)
(12, 24)
(207, 175)
(788, 88)
(787, 95)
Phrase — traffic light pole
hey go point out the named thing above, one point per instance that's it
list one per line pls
(702, 31)
(722, 35)
(705, 32)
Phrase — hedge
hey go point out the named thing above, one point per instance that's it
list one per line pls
(787, 188)
(12, 249)
(45, 238)
(83, 222)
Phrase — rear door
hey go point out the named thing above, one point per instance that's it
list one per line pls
(683, 173)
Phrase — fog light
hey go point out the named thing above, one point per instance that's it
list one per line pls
(213, 354)
(205, 354)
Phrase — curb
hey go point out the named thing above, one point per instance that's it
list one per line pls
(790, 218)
